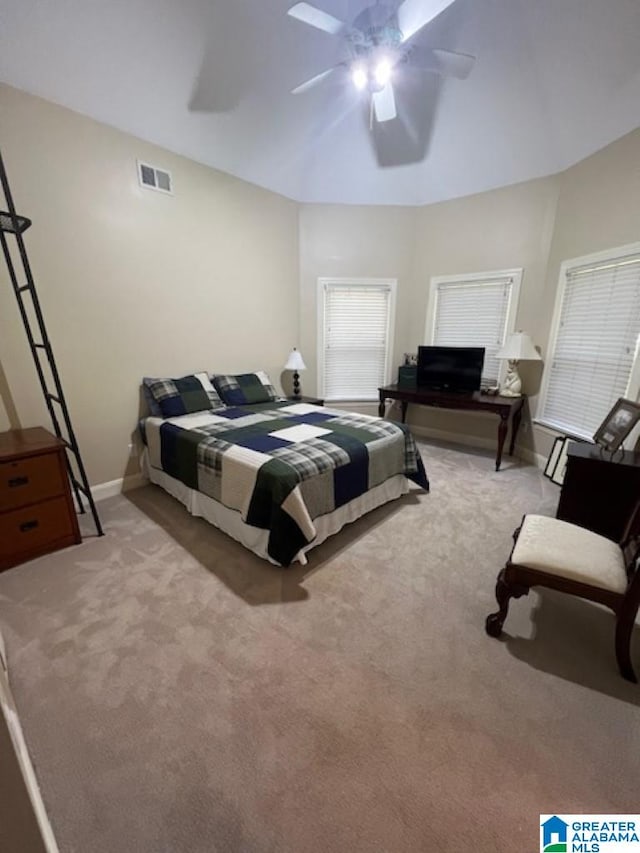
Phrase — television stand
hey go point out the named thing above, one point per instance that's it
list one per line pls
(507, 408)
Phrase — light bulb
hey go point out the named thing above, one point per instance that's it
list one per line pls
(383, 72)
(359, 77)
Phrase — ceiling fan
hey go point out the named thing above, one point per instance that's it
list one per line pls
(378, 42)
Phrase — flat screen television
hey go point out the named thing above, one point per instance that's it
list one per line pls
(455, 369)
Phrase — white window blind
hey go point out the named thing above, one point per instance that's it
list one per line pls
(596, 345)
(356, 339)
(474, 314)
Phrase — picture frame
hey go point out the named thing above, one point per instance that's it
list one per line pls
(617, 425)
(552, 461)
(561, 465)
(557, 461)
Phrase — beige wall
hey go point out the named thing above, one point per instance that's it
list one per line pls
(598, 209)
(223, 276)
(534, 225)
(133, 282)
(506, 228)
(342, 241)
(502, 229)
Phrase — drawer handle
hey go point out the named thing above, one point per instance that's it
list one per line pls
(18, 481)
(26, 526)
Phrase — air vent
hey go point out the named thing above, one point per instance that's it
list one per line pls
(152, 178)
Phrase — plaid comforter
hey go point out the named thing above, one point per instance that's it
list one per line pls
(283, 464)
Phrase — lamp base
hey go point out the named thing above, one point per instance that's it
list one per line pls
(296, 384)
(512, 385)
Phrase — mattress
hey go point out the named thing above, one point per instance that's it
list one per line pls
(280, 477)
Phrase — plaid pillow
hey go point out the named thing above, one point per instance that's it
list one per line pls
(245, 388)
(183, 396)
(154, 409)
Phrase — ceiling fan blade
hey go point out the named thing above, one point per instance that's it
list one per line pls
(454, 64)
(308, 14)
(445, 62)
(413, 15)
(384, 104)
(309, 84)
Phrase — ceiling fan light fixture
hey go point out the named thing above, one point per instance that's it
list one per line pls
(377, 42)
(382, 72)
(359, 77)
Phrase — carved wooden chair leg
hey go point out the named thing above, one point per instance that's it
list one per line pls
(505, 591)
(624, 628)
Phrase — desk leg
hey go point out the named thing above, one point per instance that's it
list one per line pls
(502, 434)
(381, 407)
(404, 410)
(515, 426)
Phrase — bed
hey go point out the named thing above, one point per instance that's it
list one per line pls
(276, 475)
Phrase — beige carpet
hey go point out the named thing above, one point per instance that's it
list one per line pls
(181, 696)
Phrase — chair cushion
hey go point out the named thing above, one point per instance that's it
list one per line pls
(568, 551)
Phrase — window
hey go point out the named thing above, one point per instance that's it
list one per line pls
(474, 311)
(355, 340)
(593, 349)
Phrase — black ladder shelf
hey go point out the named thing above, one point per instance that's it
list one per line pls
(12, 224)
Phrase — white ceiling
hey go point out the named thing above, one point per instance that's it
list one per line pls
(554, 81)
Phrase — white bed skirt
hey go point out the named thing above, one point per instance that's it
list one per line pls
(256, 539)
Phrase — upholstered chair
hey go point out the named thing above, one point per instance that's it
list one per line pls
(559, 555)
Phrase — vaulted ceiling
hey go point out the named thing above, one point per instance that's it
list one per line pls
(553, 81)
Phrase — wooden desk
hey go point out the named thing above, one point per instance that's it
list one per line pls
(599, 490)
(505, 407)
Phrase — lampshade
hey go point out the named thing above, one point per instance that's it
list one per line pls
(519, 347)
(295, 362)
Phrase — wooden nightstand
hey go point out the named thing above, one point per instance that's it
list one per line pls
(37, 514)
(312, 401)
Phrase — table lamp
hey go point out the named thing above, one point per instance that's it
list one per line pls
(295, 363)
(518, 347)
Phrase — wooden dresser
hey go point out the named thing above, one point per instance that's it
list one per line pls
(37, 514)
(599, 490)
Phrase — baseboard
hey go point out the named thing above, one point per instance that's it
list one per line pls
(454, 437)
(484, 443)
(134, 481)
(532, 457)
(116, 487)
(361, 407)
(520, 452)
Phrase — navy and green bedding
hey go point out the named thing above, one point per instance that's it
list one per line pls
(281, 464)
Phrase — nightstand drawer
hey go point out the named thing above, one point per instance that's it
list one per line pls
(29, 531)
(29, 480)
